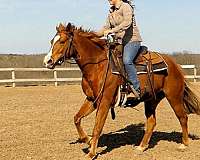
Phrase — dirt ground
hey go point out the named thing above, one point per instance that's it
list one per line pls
(36, 123)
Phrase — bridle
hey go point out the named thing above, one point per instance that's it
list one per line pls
(67, 51)
(69, 47)
(67, 55)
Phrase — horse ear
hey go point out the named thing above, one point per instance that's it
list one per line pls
(69, 26)
(57, 27)
(60, 27)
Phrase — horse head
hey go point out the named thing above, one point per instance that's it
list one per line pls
(61, 46)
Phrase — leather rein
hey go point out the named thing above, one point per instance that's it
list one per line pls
(67, 55)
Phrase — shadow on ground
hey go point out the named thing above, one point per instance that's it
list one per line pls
(132, 135)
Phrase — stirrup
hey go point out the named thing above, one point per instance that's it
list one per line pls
(137, 95)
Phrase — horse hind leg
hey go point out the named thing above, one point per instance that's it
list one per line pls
(86, 109)
(178, 106)
(174, 91)
(150, 108)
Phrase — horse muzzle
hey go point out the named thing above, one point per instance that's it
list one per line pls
(50, 64)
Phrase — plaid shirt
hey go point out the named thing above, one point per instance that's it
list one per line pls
(121, 21)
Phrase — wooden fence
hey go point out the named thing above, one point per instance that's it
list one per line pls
(194, 76)
(56, 79)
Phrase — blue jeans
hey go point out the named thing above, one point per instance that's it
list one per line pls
(130, 51)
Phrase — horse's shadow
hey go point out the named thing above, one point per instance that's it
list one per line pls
(132, 135)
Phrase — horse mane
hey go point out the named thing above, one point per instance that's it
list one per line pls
(94, 38)
(91, 35)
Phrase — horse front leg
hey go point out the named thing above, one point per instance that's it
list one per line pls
(101, 116)
(86, 109)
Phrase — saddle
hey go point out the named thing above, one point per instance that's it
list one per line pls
(143, 59)
(151, 59)
(144, 55)
(146, 62)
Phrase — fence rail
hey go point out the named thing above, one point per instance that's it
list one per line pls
(55, 79)
(194, 76)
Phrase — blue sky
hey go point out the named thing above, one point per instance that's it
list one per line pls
(26, 26)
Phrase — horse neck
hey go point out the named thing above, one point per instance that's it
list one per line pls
(87, 51)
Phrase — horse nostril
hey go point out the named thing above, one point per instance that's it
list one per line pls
(50, 61)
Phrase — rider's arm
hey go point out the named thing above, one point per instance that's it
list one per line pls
(127, 21)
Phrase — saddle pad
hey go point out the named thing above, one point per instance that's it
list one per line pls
(142, 69)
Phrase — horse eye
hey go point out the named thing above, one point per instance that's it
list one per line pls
(62, 42)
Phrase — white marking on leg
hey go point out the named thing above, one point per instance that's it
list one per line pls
(139, 148)
(182, 147)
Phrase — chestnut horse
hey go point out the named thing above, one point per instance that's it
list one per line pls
(100, 85)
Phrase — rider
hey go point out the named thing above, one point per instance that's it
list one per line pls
(121, 21)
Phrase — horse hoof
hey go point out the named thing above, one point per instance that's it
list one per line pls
(86, 140)
(86, 158)
(89, 156)
(182, 147)
(141, 149)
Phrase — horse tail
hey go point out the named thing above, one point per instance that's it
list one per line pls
(191, 101)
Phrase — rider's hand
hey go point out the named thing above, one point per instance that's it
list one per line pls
(106, 32)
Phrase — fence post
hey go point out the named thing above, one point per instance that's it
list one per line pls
(55, 77)
(13, 78)
(195, 74)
